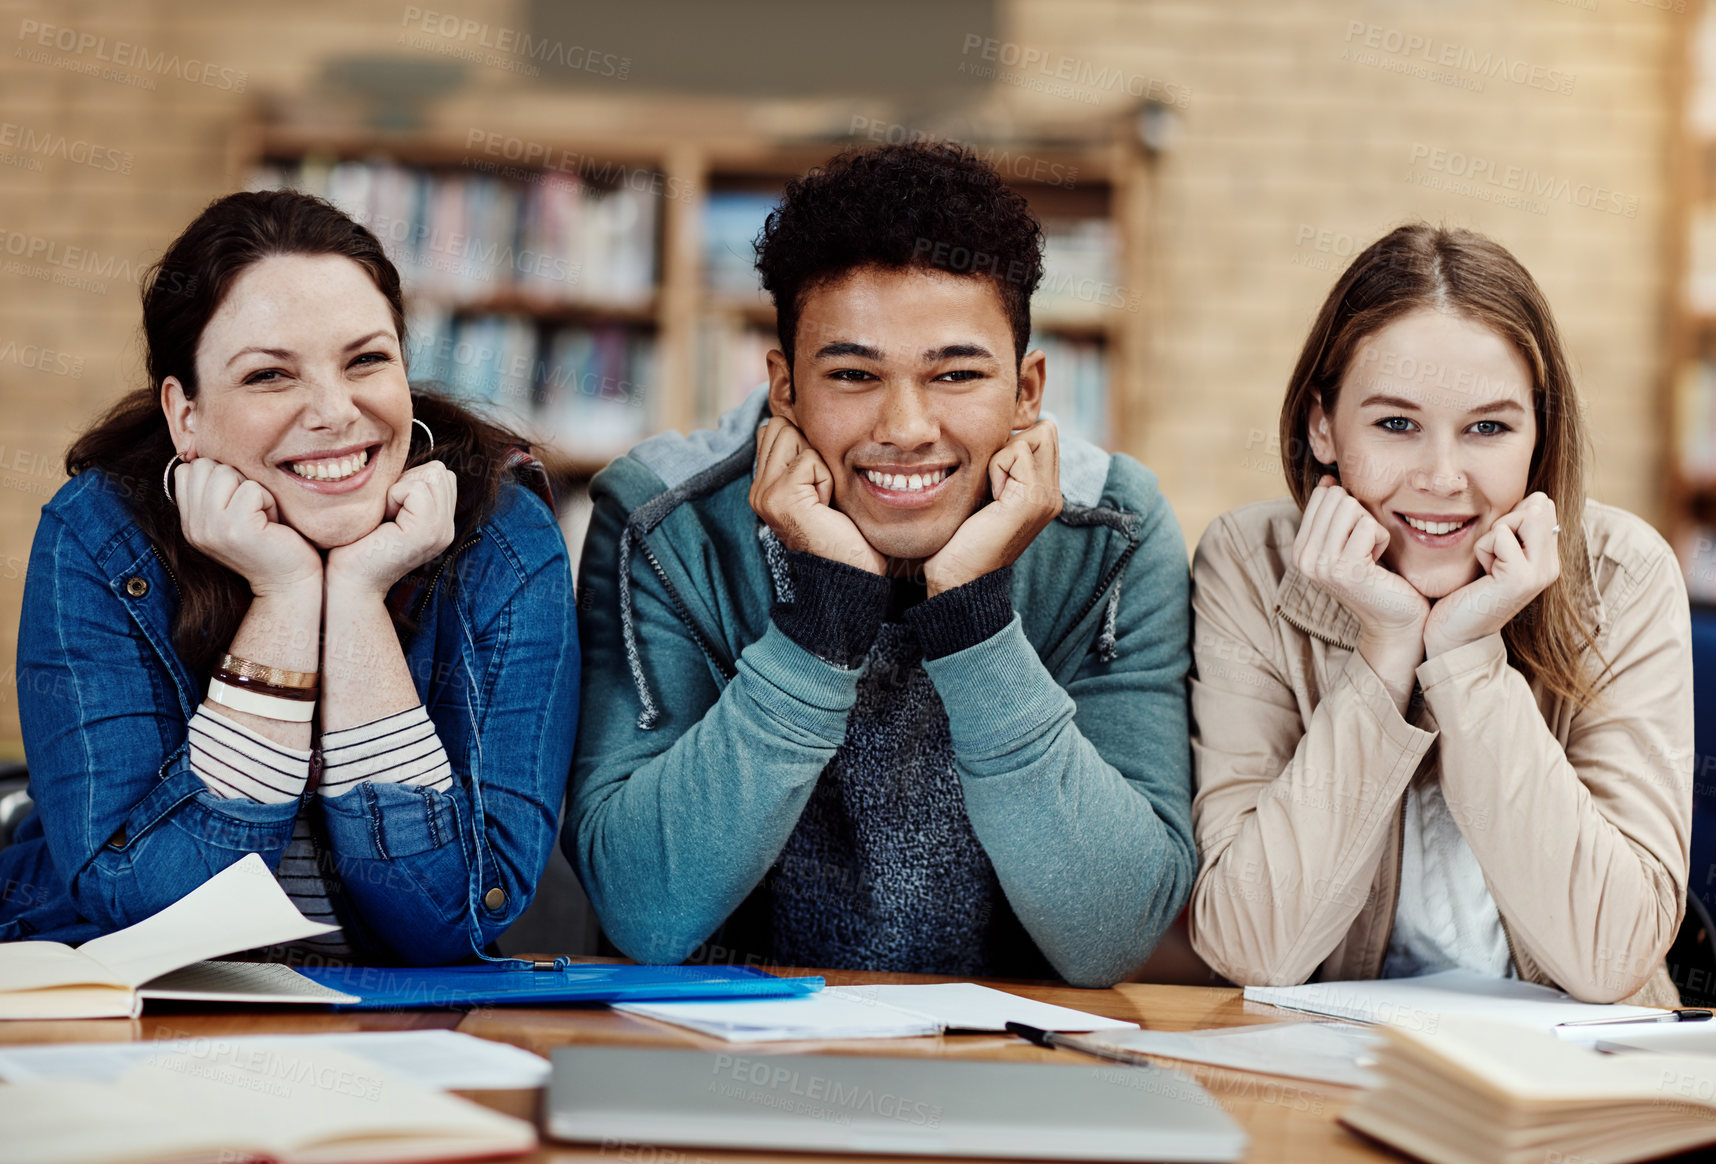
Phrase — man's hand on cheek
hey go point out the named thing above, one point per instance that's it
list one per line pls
(1025, 480)
(792, 490)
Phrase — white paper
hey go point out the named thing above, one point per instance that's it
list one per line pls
(966, 1006)
(1675, 1038)
(239, 908)
(827, 1014)
(870, 1012)
(1419, 1003)
(1327, 1052)
(241, 982)
(447, 1060)
(35, 965)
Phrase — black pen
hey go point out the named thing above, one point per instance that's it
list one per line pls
(1680, 1015)
(1052, 1041)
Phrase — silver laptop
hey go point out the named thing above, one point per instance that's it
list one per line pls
(1079, 1110)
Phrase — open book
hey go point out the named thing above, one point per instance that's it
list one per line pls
(163, 956)
(232, 1102)
(1470, 1090)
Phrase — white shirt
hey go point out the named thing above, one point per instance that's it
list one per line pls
(1445, 918)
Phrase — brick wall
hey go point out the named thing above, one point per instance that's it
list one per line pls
(1308, 129)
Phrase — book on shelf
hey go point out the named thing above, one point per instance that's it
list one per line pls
(732, 360)
(582, 390)
(1075, 388)
(166, 955)
(732, 220)
(1081, 270)
(458, 235)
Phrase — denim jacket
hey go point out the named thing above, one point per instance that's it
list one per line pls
(123, 827)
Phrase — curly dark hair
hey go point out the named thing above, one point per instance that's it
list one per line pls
(933, 205)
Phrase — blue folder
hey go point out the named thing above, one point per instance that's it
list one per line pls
(412, 987)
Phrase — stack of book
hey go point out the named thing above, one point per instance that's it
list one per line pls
(1471, 1091)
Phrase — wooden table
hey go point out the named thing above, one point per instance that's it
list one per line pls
(1288, 1120)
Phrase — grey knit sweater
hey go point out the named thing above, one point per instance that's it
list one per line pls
(883, 869)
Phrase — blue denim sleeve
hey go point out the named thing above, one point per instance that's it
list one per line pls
(437, 876)
(130, 827)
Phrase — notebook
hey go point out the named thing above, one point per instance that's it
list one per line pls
(408, 987)
(239, 908)
(1322, 1051)
(1420, 1003)
(872, 1012)
(937, 1106)
(1491, 1093)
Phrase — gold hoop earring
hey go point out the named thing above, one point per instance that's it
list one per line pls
(167, 479)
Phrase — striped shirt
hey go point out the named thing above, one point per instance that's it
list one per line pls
(238, 764)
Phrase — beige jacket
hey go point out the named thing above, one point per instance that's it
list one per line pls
(1580, 819)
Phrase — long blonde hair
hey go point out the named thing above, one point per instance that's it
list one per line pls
(1419, 266)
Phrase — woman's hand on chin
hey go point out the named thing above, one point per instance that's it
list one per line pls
(418, 525)
(236, 522)
(1339, 547)
(1520, 557)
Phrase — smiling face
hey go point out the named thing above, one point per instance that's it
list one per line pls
(1433, 431)
(904, 382)
(302, 389)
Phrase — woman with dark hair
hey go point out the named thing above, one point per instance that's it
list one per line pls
(287, 606)
(1443, 703)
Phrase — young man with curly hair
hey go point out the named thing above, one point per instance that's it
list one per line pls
(882, 673)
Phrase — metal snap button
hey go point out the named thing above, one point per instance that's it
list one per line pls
(137, 587)
(495, 898)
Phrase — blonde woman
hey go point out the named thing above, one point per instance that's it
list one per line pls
(1442, 703)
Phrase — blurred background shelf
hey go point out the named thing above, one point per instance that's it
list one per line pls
(590, 306)
(1689, 468)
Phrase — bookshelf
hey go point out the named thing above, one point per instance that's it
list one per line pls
(1690, 412)
(591, 304)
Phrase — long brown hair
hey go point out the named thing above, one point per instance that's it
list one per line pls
(1418, 266)
(131, 442)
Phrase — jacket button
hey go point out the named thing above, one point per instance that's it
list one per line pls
(137, 587)
(495, 898)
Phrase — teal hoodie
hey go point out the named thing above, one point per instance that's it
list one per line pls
(704, 728)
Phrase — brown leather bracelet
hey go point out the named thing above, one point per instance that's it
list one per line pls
(250, 683)
(273, 676)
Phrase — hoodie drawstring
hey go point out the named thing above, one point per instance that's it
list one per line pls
(650, 714)
(1105, 646)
